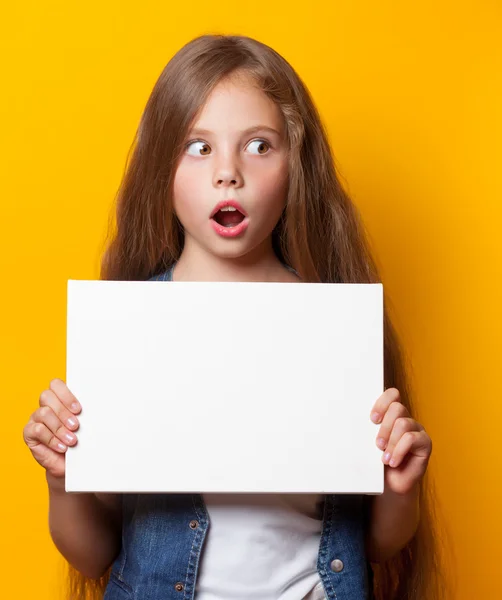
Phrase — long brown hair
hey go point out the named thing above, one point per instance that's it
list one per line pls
(320, 235)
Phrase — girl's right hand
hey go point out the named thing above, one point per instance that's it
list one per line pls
(50, 429)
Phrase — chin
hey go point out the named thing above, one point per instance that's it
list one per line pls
(230, 250)
(233, 248)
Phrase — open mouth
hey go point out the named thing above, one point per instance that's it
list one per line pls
(228, 216)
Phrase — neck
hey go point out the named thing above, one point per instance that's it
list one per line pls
(260, 264)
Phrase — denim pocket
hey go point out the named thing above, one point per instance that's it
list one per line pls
(117, 589)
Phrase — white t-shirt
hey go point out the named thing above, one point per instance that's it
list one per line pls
(261, 546)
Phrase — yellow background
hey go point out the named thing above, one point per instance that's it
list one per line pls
(411, 95)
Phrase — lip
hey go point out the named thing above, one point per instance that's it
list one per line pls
(228, 202)
(230, 231)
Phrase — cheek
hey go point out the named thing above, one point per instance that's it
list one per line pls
(272, 187)
(186, 192)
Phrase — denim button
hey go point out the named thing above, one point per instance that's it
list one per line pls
(193, 524)
(179, 587)
(336, 565)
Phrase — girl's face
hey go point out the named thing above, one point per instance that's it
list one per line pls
(236, 151)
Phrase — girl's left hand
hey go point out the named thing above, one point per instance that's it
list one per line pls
(406, 445)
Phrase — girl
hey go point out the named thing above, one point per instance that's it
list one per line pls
(232, 179)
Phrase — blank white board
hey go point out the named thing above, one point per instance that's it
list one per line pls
(225, 387)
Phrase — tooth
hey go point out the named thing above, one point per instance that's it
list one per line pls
(228, 209)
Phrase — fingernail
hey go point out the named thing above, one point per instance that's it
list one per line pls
(375, 417)
(392, 462)
(381, 443)
(386, 456)
(75, 406)
(70, 437)
(71, 422)
(62, 447)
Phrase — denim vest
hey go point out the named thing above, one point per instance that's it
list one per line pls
(163, 538)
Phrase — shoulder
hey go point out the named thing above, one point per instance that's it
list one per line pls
(164, 276)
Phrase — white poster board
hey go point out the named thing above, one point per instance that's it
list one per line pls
(225, 387)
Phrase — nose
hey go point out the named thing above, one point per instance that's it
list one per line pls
(227, 175)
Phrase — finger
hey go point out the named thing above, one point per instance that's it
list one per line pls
(401, 426)
(417, 443)
(48, 417)
(395, 410)
(51, 460)
(37, 434)
(61, 390)
(383, 403)
(50, 399)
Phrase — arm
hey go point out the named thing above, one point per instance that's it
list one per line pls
(84, 527)
(395, 514)
(394, 520)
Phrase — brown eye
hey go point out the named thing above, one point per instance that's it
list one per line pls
(205, 148)
(262, 146)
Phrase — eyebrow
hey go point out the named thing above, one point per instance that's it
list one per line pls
(253, 129)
